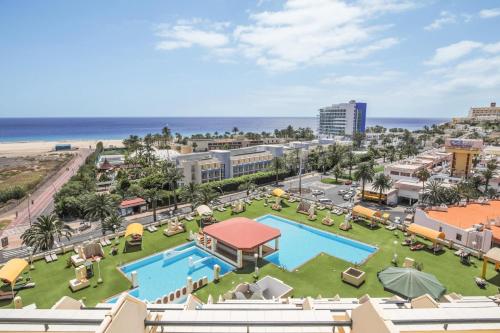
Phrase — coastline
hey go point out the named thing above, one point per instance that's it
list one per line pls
(39, 147)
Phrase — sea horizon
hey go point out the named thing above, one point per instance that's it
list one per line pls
(32, 129)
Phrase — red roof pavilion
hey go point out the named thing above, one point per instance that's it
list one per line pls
(242, 233)
(132, 202)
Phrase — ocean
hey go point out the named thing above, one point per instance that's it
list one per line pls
(59, 129)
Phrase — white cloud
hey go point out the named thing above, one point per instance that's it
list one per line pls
(443, 19)
(362, 80)
(301, 33)
(489, 13)
(187, 33)
(453, 52)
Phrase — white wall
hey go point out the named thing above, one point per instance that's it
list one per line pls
(451, 232)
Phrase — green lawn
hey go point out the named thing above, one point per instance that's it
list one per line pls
(378, 168)
(320, 275)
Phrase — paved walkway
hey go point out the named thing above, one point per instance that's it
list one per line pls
(41, 201)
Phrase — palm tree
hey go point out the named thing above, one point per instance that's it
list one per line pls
(99, 207)
(350, 160)
(248, 186)
(487, 175)
(235, 130)
(152, 196)
(42, 234)
(166, 134)
(423, 175)
(433, 193)
(172, 175)
(189, 193)
(381, 183)
(277, 166)
(206, 194)
(338, 172)
(112, 222)
(365, 173)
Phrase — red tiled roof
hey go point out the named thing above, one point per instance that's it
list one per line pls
(132, 202)
(242, 233)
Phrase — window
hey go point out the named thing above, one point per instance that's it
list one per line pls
(458, 237)
(440, 229)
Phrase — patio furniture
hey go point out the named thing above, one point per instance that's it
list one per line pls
(353, 276)
(303, 207)
(408, 263)
(173, 228)
(133, 234)
(80, 281)
(481, 283)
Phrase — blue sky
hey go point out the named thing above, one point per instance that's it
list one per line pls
(247, 58)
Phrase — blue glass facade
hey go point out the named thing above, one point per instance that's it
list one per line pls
(361, 117)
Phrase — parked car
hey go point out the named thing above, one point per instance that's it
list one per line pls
(325, 201)
(317, 192)
(348, 182)
(342, 192)
(347, 197)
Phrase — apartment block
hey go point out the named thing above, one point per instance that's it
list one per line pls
(342, 119)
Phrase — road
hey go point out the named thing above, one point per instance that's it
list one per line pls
(41, 201)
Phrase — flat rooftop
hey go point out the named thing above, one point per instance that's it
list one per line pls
(466, 217)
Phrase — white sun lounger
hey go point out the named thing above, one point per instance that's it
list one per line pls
(53, 256)
(48, 258)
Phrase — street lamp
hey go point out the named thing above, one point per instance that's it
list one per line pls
(29, 211)
(98, 260)
(256, 256)
(395, 256)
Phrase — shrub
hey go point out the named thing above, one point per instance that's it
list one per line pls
(16, 192)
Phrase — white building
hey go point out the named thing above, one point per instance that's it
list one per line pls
(491, 112)
(342, 119)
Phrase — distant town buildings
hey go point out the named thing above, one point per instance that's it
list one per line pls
(342, 119)
(491, 112)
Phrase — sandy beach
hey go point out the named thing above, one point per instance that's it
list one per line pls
(28, 148)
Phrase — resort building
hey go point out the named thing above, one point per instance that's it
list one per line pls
(433, 160)
(342, 119)
(222, 164)
(474, 225)
(132, 206)
(463, 152)
(338, 315)
(491, 112)
(231, 143)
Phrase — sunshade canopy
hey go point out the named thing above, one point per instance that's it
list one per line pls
(242, 233)
(134, 229)
(204, 210)
(277, 192)
(410, 283)
(425, 232)
(12, 269)
(363, 211)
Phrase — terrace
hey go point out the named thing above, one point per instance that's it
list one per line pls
(320, 275)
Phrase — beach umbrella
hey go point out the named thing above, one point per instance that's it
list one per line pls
(410, 283)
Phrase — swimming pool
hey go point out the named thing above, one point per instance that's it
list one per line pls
(300, 243)
(164, 272)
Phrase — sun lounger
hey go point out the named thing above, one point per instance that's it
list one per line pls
(481, 283)
(48, 258)
(391, 227)
(221, 209)
(189, 218)
(24, 285)
(150, 228)
(107, 240)
(102, 242)
(54, 256)
(417, 247)
(6, 295)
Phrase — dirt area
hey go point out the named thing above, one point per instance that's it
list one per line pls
(29, 171)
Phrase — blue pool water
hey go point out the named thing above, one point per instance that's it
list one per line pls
(300, 243)
(167, 271)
